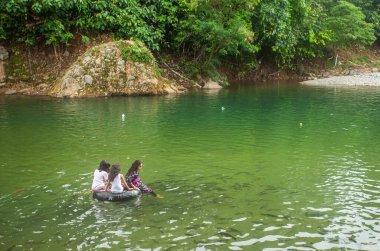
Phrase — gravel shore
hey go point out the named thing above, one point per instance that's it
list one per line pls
(370, 79)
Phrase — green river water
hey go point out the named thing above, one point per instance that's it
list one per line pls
(268, 167)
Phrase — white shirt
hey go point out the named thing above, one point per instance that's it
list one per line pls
(100, 179)
(116, 186)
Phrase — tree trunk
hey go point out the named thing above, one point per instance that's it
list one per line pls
(29, 61)
(336, 59)
(336, 55)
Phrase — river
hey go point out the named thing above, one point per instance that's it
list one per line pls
(263, 167)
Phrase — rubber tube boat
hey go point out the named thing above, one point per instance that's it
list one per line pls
(108, 196)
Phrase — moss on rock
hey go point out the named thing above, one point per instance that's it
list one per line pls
(16, 69)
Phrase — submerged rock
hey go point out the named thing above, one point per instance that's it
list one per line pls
(115, 68)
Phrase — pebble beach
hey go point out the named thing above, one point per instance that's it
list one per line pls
(365, 79)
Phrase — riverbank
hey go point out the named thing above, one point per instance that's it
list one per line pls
(33, 71)
(369, 79)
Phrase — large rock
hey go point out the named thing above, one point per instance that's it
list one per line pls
(115, 68)
(210, 84)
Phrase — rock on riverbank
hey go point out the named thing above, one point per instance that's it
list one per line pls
(370, 79)
(114, 68)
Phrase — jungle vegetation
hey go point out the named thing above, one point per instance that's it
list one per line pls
(207, 33)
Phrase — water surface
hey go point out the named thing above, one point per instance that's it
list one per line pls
(267, 167)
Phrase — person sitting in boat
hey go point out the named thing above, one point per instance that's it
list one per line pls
(133, 178)
(101, 176)
(116, 180)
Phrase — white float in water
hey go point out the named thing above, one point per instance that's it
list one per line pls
(123, 117)
(222, 108)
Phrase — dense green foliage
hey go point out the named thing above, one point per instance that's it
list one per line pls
(371, 9)
(291, 29)
(348, 25)
(217, 29)
(206, 32)
(54, 21)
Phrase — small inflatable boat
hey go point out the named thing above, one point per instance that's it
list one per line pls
(108, 196)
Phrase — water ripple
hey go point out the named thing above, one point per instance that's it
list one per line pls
(280, 168)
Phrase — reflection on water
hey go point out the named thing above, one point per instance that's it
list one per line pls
(279, 168)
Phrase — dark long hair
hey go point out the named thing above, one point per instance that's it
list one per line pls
(134, 167)
(115, 170)
(104, 166)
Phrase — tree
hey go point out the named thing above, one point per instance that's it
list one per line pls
(275, 30)
(216, 29)
(371, 9)
(30, 21)
(348, 26)
(54, 21)
(289, 29)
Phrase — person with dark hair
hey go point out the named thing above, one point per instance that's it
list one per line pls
(133, 178)
(101, 176)
(116, 180)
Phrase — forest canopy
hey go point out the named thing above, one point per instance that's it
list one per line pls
(207, 32)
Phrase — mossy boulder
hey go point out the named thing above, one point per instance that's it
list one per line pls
(115, 68)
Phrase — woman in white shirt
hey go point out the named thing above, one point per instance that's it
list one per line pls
(101, 176)
(116, 180)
